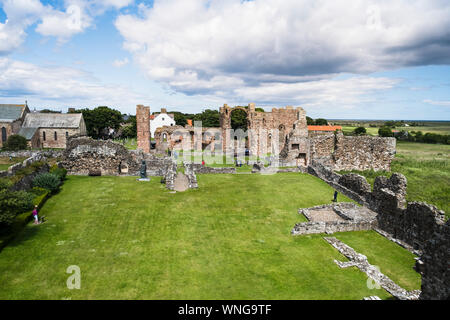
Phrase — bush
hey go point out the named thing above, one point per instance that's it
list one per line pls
(360, 131)
(47, 181)
(13, 203)
(61, 173)
(5, 184)
(385, 132)
(15, 142)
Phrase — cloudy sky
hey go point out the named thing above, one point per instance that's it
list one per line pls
(356, 59)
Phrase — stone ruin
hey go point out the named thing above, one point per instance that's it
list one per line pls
(417, 226)
(282, 131)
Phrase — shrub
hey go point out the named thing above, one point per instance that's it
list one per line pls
(59, 172)
(13, 203)
(385, 132)
(15, 142)
(360, 130)
(5, 184)
(47, 181)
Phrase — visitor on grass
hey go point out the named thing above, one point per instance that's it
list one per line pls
(203, 163)
(35, 215)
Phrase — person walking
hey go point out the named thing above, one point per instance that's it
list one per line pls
(35, 215)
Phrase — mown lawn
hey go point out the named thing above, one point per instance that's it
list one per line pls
(427, 168)
(230, 239)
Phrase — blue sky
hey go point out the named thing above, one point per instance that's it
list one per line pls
(368, 60)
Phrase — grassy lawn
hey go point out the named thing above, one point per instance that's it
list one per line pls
(230, 239)
(427, 168)
(5, 163)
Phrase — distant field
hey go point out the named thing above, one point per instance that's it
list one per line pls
(427, 168)
(439, 127)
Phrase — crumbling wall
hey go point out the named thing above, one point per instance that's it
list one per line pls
(435, 265)
(363, 153)
(200, 169)
(84, 154)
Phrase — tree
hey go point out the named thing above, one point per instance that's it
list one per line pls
(15, 142)
(310, 121)
(49, 111)
(100, 119)
(360, 131)
(239, 119)
(130, 129)
(321, 122)
(209, 118)
(385, 132)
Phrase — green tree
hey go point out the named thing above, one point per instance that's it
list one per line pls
(321, 122)
(239, 119)
(310, 121)
(15, 142)
(130, 129)
(100, 119)
(385, 132)
(360, 131)
(209, 118)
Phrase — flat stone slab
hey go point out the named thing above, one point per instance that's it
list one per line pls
(324, 215)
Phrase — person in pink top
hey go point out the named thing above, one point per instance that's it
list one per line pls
(35, 215)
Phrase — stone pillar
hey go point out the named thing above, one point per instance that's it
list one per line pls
(143, 128)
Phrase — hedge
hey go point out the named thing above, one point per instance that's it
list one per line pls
(22, 220)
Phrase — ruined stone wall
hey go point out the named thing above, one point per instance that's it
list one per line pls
(199, 169)
(435, 265)
(322, 145)
(143, 128)
(84, 154)
(363, 153)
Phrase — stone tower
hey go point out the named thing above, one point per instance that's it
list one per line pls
(143, 128)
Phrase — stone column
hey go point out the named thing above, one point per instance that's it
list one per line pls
(143, 128)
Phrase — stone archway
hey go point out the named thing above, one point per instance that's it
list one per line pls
(226, 124)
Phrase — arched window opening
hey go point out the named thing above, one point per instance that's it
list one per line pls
(4, 134)
(56, 136)
(43, 136)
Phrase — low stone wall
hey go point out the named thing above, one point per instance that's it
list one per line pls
(330, 227)
(349, 217)
(12, 170)
(200, 169)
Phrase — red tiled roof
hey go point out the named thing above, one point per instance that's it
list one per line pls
(324, 128)
(152, 117)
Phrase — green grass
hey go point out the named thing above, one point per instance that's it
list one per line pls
(129, 143)
(427, 168)
(5, 163)
(230, 239)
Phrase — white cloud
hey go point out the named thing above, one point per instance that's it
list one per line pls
(120, 63)
(77, 16)
(265, 49)
(20, 15)
(443, 103)
(61, 85)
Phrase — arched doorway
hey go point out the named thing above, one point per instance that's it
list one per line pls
(239, 121)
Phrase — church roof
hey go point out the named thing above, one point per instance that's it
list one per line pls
(11, 112)
(28, 133)
(52, 120)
